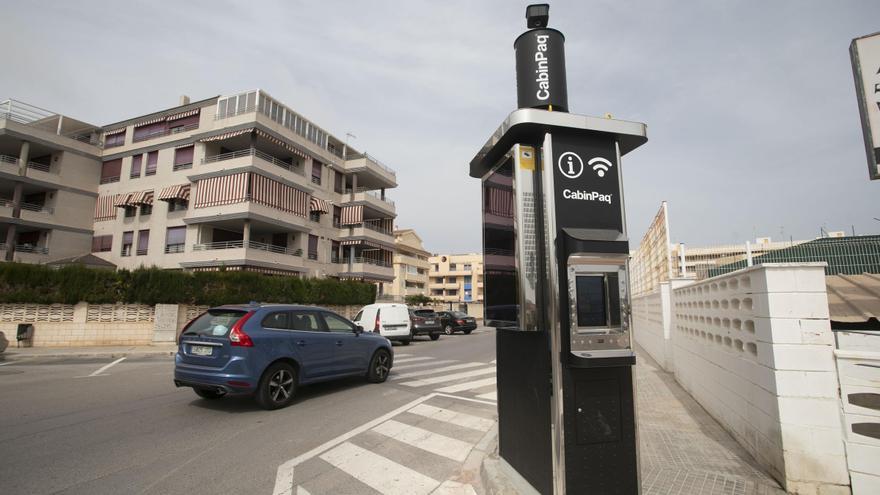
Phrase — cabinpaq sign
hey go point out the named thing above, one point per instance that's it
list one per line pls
(865, 55)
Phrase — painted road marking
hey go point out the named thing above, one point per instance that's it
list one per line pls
(437, 370)
(420, 365)
(467, 386)
(489, 396)
(302, 491)
(449, 378)
(435, 443)
(379, 473)
(107, 367)
(450, 487)
(411, 359)
(10, 362)
(456, 418)
(492, 361)
(284, 474)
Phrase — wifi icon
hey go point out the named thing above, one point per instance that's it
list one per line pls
(600, 165)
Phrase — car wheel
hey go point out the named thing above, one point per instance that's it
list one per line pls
(435, 336)
(208, 393)
(277, 386)
(406, 341)
(380, 365)
(468, 332)
(448, 329)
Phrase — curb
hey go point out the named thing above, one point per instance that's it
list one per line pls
(115, 354)
(498, 478)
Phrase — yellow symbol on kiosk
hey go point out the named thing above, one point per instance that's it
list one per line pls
(527, 158)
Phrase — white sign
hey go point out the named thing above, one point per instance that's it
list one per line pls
(571, 165)
(865, 55)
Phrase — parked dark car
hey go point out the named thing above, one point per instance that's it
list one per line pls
(456, 321)
(425, 322)
(268, 350)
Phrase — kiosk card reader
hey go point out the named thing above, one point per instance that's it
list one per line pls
(556, 284)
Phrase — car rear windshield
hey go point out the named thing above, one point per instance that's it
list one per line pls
(215, 322)
(424, 312)
(459, 314)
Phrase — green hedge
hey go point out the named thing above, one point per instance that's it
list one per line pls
(23, 283)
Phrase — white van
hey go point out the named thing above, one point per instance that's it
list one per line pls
(387, 319)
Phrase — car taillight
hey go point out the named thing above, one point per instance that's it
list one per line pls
(460, 322)
(377, 326)
(237, 337)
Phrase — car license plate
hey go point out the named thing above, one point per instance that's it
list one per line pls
(200, 350)
(429, 322)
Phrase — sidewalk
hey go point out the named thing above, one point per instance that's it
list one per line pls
(683, 450)
(14, 353)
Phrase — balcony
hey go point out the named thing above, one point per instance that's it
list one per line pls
(50, 126)
(371, 197)
(240, 253)
(368, 231)
(366, 164)
(366, 268)
(165, 132)
(245, 157)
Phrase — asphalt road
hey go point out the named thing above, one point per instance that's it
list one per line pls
(79, 426)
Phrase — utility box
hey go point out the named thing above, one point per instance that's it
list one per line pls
(24, 334)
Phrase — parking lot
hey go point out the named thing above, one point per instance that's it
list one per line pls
(118, 425)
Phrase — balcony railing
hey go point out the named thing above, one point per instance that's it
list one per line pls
(370, 192)
(182, 166)
(165, 132)
(272, 248)
(175, 248)
(9, 159)
(376, 228)
(313, 256)
(316, 180)
(42, 167)
(108, 180)
(29, 248)
(367, 261)
(253, 152)
(141, 252)
(37, 208)
(2, 246)
(358, 156)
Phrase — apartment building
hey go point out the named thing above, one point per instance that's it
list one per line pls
(456, 278)
(411, 266)
(239, 182)
(50, 167)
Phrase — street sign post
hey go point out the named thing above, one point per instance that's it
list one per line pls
(556, 281)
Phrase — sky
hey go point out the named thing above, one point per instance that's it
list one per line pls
(752, 117)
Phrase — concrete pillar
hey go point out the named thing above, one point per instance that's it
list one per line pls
(24, 156)
(10, 242)
(383, 194)
(344, 183)
(246, 235)
(354, 185)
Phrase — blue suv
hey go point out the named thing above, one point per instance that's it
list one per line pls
(268, 350)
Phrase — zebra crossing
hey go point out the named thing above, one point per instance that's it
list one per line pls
(449, 376)
(420, 448)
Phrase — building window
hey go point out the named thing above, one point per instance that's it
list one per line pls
(146, 210)
(183, 157)
(467, 279)
(337, 185)
(467, 266)
(175, 239)
(130, 211)
(313, 247)
(152, 162)
(317, 168)
(178, 205)
(114, 140)
(436, 268)
(136, 166)
(143, 242)
(102, 243)
(315, 216)
(110, 171)
(452, 267)
(126, 243)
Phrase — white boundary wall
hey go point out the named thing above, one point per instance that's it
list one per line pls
(755, 349)
(858, 364)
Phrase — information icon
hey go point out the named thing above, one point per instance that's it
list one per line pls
(571, 165)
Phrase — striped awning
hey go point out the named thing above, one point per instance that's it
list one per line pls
(124, 200)
(150, 121)
(184, 114)
(142, 198)
(223, 190)
(114, 131)
(278, 195)
(171, 193)
(364, 242)
(352, 215)
(104, 208)
(288, 147)
(227, 135)
(319, 205)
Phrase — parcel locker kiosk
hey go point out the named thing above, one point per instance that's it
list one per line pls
(556, 281)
